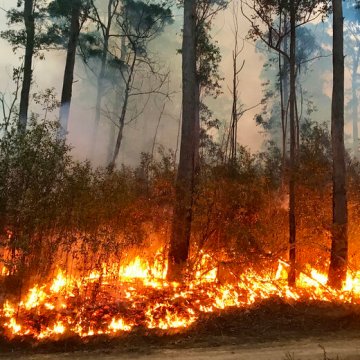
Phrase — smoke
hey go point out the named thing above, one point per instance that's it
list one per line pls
(144, 111)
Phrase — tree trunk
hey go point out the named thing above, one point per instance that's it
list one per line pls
(285, 83)
(292, 162)
(112, 129)
(339, 246)
(181, 226)
(284, 99)
(100, 80)
(69, 69)
(27, 73)
(283, 112)
(355, 105)
(123, 112)
(234, 111)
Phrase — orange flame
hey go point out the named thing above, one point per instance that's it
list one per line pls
(139, 296)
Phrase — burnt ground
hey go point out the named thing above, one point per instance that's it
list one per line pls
(264, 326)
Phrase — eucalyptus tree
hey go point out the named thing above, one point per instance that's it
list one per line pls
(74, 14)
(265, 18)
(106, 27)
(29, 53)
(274, 113)
(339, 239)
(200, 76)
(181, 226)
(34, 36)
(352, 60)
(140, 22)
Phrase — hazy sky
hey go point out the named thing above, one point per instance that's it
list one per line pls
(138, 136)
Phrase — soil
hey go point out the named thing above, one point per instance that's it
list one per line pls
(273, 330)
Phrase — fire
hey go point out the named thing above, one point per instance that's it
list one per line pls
(119, 325)
(13, 326)
(35, 298)
(117, 299)
(59, 282)
(136, 269)
(170, 319)
(57, 329)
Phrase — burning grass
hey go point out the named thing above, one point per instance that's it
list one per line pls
(120, 300)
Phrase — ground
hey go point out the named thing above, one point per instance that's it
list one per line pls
(309, 349)
(273, 330)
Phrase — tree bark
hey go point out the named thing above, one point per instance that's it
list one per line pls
(69, 68)
(123, 112)
(100, 80)
(283, 112)
(355, 104)
(339, 245)
(27, 73)
(292, 162)
(181, 226)
(285, 102)
(112, 129)
(234, 111)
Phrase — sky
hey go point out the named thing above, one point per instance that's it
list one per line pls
(139, 135)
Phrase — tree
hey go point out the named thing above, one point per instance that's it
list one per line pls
(39, 34)
(352, 47)
(181, 226)
(75, 13)
(139, 22)
(26, 38)
(231, 142)
(105, 30)
(292, 163)
(27, 73)
(270, 31)
(66, 93)
(339, 240)
(200, 61)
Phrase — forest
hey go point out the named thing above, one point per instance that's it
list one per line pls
(131, 203)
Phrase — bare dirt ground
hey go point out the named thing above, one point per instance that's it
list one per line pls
(273, 330)
(309, 349)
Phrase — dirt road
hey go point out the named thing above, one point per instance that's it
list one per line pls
(345, 349)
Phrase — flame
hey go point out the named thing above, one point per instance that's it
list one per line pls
(57, 329)
(137, 269)
(35, 298)
(13, 326)
(59, 282)
(119, 325)
(171, 318)
(115, 299)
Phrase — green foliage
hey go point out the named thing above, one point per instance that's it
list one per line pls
(147, 16)
(208, 61)
(46, 33)
(142, 21)
(270, 117)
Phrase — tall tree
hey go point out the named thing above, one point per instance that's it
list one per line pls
(68, 79)
(139, 22)
(292, 162)
(105, 28)
(339, 245)
(203, 55)
(37, 35)
(27, 72)
(355, 100)
(265, 26)
(352, 49)
(181, 227)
